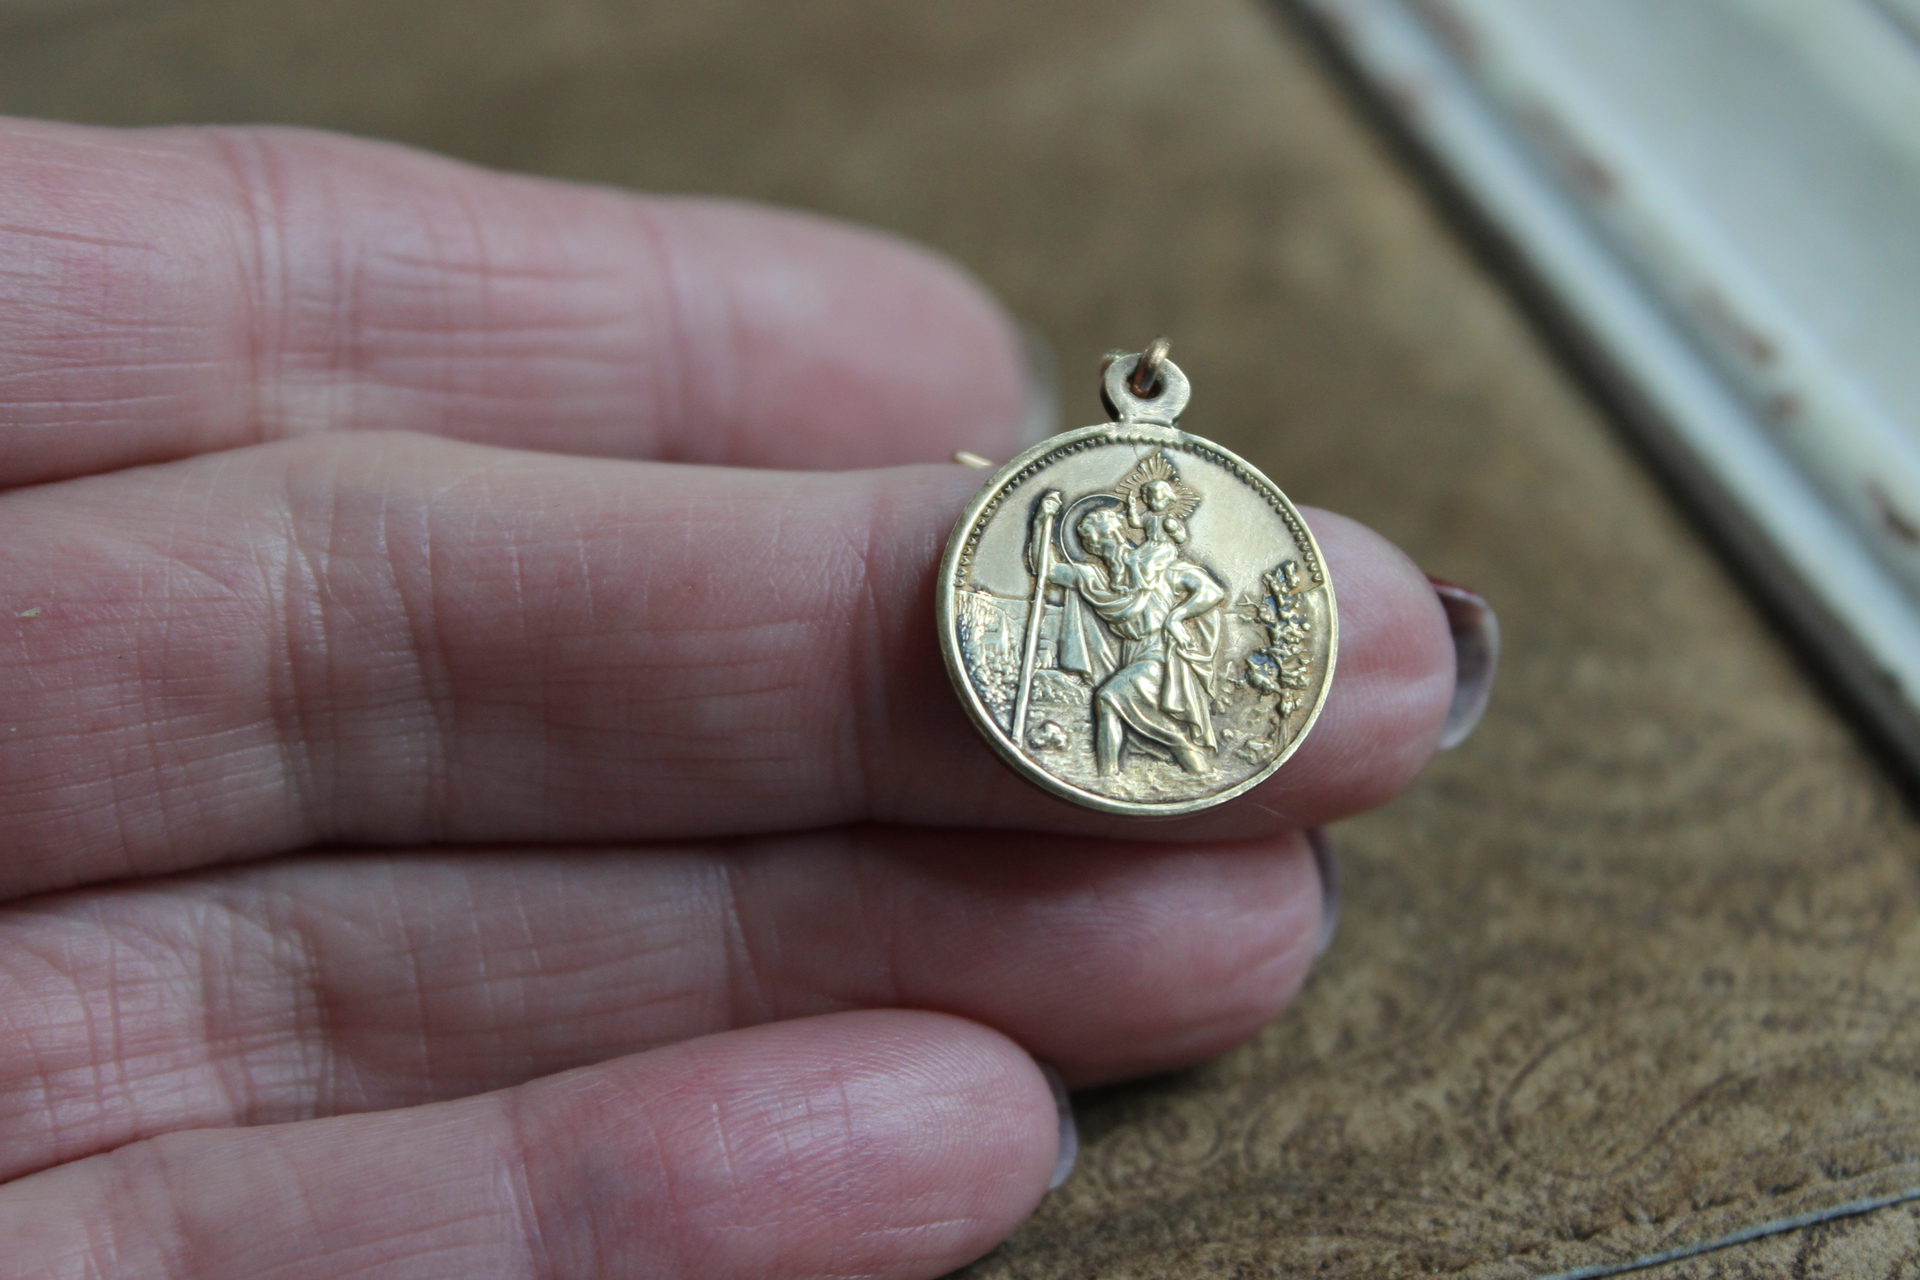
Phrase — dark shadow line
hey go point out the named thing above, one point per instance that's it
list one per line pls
(1779, 1226)
(1902, 22)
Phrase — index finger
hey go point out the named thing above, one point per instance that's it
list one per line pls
(181, 291)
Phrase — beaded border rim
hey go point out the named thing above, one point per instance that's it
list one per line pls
(963, 542)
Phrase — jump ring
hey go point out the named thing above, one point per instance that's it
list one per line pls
(1145, 381)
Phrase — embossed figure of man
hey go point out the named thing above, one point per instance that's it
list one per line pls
(1164, 611)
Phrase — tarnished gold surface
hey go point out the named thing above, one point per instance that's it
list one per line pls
(1136, 618)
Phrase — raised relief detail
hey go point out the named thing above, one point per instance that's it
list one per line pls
(1138, 661)
(1138, 619)
(1281, 670)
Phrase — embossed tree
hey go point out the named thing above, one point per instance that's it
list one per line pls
(988, 647)
(1281, 669)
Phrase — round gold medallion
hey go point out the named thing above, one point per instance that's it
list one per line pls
(1137, 619)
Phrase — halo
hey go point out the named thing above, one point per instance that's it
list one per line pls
(1078, 510)
(1156, 466)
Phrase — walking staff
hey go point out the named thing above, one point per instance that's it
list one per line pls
(1042, 570)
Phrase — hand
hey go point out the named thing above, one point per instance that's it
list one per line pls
(1050, 502)
(490, 851)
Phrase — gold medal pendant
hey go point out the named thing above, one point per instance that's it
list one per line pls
(1137, 619)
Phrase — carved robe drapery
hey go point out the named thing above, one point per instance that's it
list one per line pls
(1157, 677)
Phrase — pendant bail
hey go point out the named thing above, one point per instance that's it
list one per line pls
(1163, 407)
(1134, 618)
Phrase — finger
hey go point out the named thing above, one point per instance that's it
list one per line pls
(870, 1144)
(327, 985)
(404, 641)
(180, 291)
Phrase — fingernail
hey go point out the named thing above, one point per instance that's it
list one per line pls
(1043, 387)
(1069, 1132)
(1328, 864)
(1476, 652)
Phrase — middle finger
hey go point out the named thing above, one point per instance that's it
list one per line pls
(401, 640)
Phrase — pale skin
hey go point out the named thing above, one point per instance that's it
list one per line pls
(444, 839)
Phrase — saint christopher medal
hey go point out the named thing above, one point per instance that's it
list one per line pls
(1135, 618)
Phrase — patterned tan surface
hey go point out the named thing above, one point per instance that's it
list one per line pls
(1639, 965)
(1877, 1246)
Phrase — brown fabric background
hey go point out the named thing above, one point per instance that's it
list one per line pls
(1637, 966)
